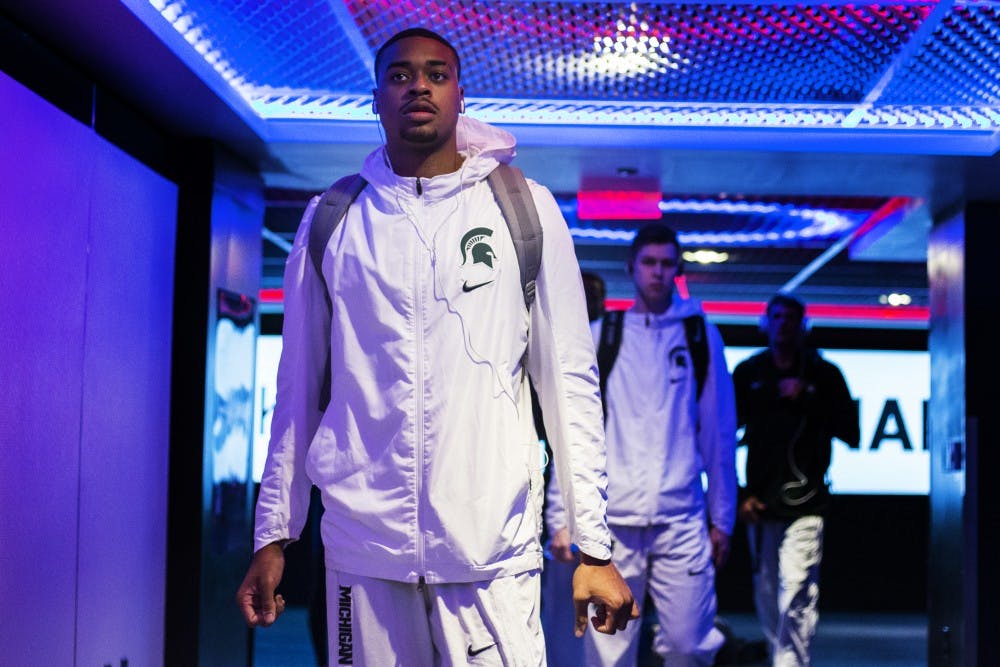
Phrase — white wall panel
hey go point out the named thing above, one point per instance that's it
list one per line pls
(43, 218)
(86, 264)
(126, 413)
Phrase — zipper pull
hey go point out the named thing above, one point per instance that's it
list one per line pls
(420, 188)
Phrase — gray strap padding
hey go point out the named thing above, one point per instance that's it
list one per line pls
(330, 211)
(513, 196)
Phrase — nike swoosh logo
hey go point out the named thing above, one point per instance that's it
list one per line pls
(466, 287)
(485, 648)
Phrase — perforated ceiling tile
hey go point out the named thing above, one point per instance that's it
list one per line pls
(291, 44)
(656, 52)
(911, 65)
(958, 65)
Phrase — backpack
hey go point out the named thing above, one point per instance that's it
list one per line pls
(512, 194)
(611, 339)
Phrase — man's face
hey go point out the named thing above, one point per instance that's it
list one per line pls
(418, 95)
(784, 326)
(653, 272)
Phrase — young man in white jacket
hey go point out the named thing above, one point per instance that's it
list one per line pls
(670, 533)
(426, 456)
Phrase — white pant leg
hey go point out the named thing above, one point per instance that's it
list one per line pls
(798, 600)
(377, 622)
(493, 622)
(629, 554)
(682, 585)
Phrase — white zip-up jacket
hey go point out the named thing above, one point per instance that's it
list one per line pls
(660, 436)
(426, 456)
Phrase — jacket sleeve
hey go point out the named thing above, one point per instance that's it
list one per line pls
(717, 434)
(563, 368)
(283, 502)
(842, 421)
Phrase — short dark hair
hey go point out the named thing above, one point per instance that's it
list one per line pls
(592, 277)
(652, 233)
(788, 301)
(417, 32)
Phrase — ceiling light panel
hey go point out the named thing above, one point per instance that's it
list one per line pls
(718, 221)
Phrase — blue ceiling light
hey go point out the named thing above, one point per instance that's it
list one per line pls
(730, 223)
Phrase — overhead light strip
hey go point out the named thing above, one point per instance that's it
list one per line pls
(290, 104)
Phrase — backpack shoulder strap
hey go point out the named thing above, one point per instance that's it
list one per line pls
(607, 348)
(513, 196)
(329, 212)
(697, 341)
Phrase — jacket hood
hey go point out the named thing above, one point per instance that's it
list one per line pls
(482, 145)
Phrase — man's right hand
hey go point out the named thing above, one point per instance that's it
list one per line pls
(600, 583)
(255, 597)
(750, 509)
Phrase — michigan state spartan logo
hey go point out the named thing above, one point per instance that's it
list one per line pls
(478, 258)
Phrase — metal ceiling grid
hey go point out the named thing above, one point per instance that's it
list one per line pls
(958, 65)
(294, 45)
(668, 53)
(926, 66)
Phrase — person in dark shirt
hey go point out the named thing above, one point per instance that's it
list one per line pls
(792, 403)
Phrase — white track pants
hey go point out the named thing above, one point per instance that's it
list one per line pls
(674, 562)
(380, 623)
(786, 556)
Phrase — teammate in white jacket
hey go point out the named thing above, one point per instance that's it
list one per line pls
(426, 455)
(670, 531)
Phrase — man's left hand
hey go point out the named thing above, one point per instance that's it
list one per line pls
(720, 546)
(600, 583)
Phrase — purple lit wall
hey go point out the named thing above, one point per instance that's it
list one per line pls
(86, 298)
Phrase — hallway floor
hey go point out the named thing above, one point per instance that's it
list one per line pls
(855, 639)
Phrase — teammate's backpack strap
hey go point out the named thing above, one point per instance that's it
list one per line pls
(607, 349)
(513, 196)
(697, 341)
(611, 339)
